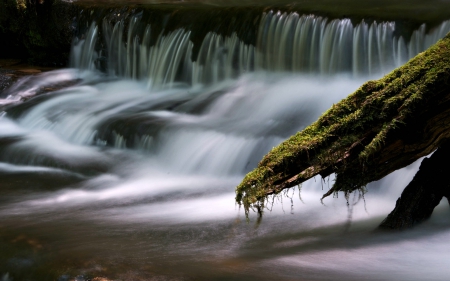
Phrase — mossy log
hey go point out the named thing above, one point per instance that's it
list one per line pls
(385, 125)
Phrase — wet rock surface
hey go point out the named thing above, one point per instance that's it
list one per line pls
(11, 70)
(6, 79)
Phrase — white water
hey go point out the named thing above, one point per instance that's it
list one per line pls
(177, 176)
(318, 45)
(134, 178)
(285, 42)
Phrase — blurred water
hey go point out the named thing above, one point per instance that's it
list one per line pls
(106, 177)
(285, 42)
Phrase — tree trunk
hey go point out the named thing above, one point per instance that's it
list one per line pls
(385, 125)
(423, 193)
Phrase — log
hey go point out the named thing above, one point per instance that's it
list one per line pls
(385, 125)
(423, 193)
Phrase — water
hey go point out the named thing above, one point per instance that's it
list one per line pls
(130, 173)
(285, 42)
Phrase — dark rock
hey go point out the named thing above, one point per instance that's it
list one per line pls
(38, 32)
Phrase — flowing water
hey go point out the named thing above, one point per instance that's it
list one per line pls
(124, 166)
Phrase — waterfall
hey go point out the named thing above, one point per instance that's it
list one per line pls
(285, 43)
(312, 44)
(124, 166)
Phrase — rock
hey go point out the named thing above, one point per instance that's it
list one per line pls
(38, 32)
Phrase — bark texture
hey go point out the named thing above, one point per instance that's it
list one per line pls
(384, 126)
(423, 193)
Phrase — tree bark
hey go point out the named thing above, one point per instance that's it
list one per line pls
(385, 125)
(423, 193)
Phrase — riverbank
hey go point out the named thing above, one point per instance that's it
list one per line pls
(13, 69)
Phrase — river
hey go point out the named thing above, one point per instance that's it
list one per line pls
(124, 165)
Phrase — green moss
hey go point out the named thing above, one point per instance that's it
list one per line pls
(35, 38)
(348, 137)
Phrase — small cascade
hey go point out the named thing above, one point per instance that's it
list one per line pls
(311, 44)
(136, 59)
(222, 58)
(133, 58)
(84, 54)
(166, 61)
(284, 43)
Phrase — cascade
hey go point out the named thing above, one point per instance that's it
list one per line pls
(286, 42)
